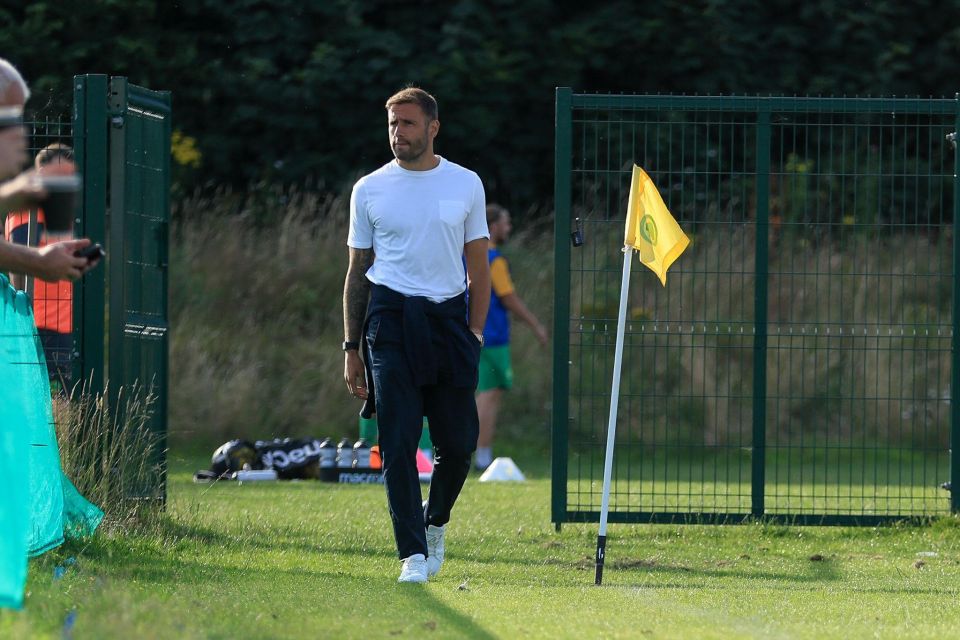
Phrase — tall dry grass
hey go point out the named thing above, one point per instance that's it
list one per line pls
(256, 307)
(108, 451)
(857, 347)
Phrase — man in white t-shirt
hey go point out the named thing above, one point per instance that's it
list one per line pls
(419, 215)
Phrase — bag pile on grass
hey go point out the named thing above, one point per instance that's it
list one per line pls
(291, 458)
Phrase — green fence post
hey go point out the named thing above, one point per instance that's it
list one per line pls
(561, 305)
(89, 298)
(116, 249)
(759, 450)
(955, 340)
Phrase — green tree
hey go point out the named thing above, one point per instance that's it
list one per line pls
(293, 92)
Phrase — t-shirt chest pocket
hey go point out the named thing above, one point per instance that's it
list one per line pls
(453, 212)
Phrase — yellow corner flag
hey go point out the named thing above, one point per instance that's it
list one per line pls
(651, 230)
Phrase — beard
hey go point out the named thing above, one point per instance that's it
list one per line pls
(411, 152)
(414, 148)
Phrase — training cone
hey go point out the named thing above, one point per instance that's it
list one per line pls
(502, 470)
(424, 466)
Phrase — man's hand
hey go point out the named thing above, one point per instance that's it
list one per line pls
(22, 192)
(516, 306)
(57, 261)
(478, 283)
(356, 290)
(354, 374)
(541, 333)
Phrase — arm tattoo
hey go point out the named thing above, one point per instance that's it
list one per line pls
(356, 289)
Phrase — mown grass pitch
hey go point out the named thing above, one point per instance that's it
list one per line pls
(295, 560)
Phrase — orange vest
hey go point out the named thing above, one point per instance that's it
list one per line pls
(52, 301)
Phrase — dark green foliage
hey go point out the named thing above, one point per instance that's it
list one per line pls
(287, 91)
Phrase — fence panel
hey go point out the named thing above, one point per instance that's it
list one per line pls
(122, 141)
(798, 364)
(139, 228)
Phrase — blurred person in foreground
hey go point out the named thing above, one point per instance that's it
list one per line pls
(38, 504)
(419, 215)
(52, 301)
(496, 369)
(55, 261)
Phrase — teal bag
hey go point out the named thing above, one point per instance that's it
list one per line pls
(15, 315)
(38, 503)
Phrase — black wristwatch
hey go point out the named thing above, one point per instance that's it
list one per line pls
(351, 346)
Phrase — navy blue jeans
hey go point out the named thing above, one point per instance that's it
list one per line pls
(401, 405)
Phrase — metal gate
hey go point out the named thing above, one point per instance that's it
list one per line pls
(800, 364)
(122, 149)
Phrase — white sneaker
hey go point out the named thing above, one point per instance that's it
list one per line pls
(434, 549)
(414, 569)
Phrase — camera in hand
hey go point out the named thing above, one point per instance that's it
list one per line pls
(92, 252)
(60, 203)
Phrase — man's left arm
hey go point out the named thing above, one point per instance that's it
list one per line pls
(478, 283)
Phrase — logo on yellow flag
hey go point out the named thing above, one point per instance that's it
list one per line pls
(651, 230)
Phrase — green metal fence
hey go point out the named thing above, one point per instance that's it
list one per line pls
(122, 140)
(800, 364)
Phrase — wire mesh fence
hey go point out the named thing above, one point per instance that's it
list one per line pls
(798, 365)
(50, 140)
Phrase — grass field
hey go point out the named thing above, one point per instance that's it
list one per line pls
(309, 559)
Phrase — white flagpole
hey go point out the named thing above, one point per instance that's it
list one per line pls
(612, 422)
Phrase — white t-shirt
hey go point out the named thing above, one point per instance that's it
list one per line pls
(417, 223)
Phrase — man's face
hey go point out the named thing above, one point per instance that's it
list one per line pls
(411, 135)
(57, 167)
(500, 230)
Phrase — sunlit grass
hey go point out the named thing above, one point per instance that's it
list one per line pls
(280, 560)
